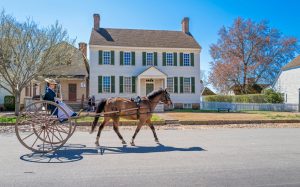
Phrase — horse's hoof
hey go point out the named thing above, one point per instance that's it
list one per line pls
(123, 142)
(97, 144)
(132, 143)
(156, 140)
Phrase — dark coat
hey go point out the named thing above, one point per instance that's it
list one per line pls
(49, 96)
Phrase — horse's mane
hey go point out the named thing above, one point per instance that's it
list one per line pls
(155, 93)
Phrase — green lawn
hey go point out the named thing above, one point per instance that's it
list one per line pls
(7, 119)
(4, 119)
(90, 119)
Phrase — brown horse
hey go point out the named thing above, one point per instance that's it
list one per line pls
(129, 109)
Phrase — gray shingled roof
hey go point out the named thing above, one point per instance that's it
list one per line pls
(77, 68)
(293, 64)
(142, 38)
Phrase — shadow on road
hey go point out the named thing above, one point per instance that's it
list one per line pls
(75, 152)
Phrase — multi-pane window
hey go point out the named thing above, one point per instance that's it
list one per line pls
(186, 85)
(106, 57)
(127, 58)
(127, 85)
(149, 59)
(170, 84)
(106, 84)
(187, 105)
(186, 60)
(169, 59)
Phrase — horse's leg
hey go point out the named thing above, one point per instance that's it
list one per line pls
(138, 128)
(116, 129)
(154, 133)
(106, 119)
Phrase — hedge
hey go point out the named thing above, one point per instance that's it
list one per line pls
(250, 98)
(9, 103)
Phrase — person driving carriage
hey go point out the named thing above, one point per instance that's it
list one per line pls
(50, 95)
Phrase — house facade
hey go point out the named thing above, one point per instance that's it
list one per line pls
(131, 62)
(288, 81)
(73, 79)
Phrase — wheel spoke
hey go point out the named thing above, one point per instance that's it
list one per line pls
(49, 139)
(28, 136)
(58, 132)
(44, 142)
(37, 138)
(62, 131)
(55, 135)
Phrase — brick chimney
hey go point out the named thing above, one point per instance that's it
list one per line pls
(83, 48)
(185, 25)
(96, 21)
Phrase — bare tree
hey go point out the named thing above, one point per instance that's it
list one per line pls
(27, 52)
(249, 50)
(204, 78)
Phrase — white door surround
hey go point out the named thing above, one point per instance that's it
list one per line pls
(153, 75)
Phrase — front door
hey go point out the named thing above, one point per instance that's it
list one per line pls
(149, 88)
(72, 92)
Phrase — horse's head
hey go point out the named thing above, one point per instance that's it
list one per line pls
(165, 97)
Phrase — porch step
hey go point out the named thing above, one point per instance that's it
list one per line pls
(76, 106)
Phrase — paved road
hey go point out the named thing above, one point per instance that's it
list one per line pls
(194, 157)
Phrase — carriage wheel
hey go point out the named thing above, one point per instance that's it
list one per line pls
(40, 130)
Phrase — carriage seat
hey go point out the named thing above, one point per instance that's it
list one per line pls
(137, 100)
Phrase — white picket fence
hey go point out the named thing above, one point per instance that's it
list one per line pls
(249, 106)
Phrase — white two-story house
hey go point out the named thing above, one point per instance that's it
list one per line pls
(131, 62)
(288, 81)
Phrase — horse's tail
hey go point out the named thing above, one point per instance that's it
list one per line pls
(99, 109)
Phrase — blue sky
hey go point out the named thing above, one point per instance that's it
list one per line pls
(206, 16)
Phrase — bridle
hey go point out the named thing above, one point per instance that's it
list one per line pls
(166, 98)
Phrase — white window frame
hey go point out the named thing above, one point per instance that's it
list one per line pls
(169, 59)
(186, 59)
(170, 89)
(187, 105)
(127, 59)
(186, 86)
(127, 84)
(104, 84)
(106, 57)
(148, 62)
